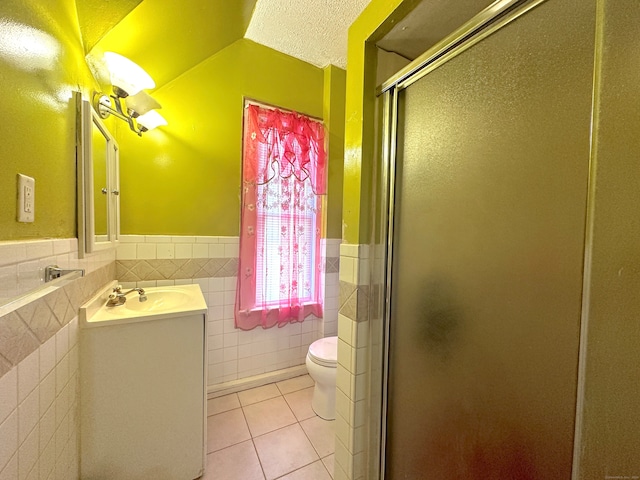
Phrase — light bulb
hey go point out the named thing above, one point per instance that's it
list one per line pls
(151, 120)
(127, 75)
(141, 103)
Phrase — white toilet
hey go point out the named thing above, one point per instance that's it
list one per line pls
(321, 365)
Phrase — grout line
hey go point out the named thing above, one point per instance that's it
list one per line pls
(247, 425)
(233, 444)
(252, 438)
(259, 401)
(311, 442)
(220, 413)
(300, 468)
(264, 475)
(228, 446)
(312, 445)
(279, 428)
(325, 465)
(223, 411)
(294, 413)
(326, 469)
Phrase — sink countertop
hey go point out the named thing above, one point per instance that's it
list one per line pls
(162, 302)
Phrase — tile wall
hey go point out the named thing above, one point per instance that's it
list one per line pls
(354, 365)
(38, 341)
(39, 357)
(22, 263)
(39, 411)
(212, 262)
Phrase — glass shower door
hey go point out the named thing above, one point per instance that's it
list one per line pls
(490, 201)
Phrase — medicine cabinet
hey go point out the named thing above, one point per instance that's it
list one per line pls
(98, 181)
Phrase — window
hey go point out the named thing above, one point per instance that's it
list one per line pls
(279, 235)
(280, 275)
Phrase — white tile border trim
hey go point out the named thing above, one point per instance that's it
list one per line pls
(234, 386)
(22, 263)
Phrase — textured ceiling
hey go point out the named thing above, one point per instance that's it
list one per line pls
(168, 37)
(312, 30)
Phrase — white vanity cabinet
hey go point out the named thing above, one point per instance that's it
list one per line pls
(142, 391)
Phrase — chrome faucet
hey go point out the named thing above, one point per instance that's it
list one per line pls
(118, 297)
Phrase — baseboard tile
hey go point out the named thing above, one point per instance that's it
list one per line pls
(239, 385)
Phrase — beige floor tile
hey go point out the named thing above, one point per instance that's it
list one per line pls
(315, 471)
(239, 462)
(328, 463)
(284, 451)
(226, 429)
(222, 404)
(300, 403)
(267, 416)
(295, 384)
(258, 394)
(321, 433)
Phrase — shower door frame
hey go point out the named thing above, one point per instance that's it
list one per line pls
(487, 22)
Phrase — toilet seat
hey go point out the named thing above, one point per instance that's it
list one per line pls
(324, 352)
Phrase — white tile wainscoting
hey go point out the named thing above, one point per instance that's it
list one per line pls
(354, 365)
(22, 263)
(38, 365)
(233, 354)
(39, 411)
(39, 357)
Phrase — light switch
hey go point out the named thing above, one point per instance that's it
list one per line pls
(26, 198)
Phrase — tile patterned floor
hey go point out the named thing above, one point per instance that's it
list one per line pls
(269, 432)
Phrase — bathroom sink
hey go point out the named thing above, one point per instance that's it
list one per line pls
(162, 302)
(143, 380)
(157, 301)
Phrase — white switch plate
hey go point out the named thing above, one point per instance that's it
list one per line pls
(26, 198)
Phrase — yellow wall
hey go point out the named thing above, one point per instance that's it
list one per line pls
(374, 22)
(41, 64)
(184, 179)
(168, 37)
(334, 97)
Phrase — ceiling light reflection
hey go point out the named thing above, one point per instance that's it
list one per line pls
(27, 48)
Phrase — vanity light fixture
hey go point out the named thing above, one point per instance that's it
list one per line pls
(141, 103)
(127, 77)
(150, 120)
(129, 101)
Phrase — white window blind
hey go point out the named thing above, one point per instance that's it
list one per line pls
(286, 217)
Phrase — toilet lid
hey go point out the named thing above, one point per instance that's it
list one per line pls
(324, 351)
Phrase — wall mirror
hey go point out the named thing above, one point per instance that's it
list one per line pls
(98, 182)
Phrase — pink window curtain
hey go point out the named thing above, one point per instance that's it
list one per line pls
(280, 275)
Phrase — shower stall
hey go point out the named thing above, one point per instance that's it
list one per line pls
(489, 224)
